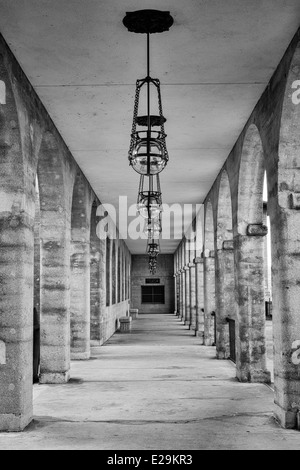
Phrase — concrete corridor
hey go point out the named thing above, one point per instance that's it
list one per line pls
(155, 388)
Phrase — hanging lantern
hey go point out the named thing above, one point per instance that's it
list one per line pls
(148, 153)
(149, 204)
(153, 248)
(153, 228)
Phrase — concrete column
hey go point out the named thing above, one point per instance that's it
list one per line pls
(250, 328)
(95, 280)
(16, 323)
(56, 185)
(80, 269)
(55, 297)
(199, 330)
(178, 281)
(225, 297)
(209, 299)
(187, 296)
(286, 317)
(17, 201)
(182, 303)
(192, 296)
(80, 299)
(175, 290)
(102, 287)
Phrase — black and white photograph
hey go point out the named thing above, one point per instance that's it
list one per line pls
(149, 228)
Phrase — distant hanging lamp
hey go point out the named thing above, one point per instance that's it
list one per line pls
(148, 154)
(153, 228)
(153, 248)
(149, 204)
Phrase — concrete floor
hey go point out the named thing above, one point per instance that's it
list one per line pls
(155, 388)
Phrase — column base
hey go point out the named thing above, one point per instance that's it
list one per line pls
(95, 343)
(208, 342)
(55, 378)
(287, 419)
(200, 335)
(222, 356)
(256, 376)
(14, 423)
(80, 356)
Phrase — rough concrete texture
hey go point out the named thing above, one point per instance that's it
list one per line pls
(80, 269)
(182, 296)
(155, 388)
(187, 296)
(225, 300)
(251, 342)
(17, 206)
(199, 300)
(192, 323)
(209, 300)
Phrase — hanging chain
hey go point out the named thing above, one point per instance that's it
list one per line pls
(162, 127)
(135, 115)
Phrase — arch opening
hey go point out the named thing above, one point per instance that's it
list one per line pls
(249, 241)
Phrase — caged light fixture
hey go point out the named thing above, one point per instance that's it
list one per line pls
(148, 154)
(149, 204)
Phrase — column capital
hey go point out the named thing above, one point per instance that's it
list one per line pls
(198, 261)
(191, 265)
(186, 268)
(257, 230)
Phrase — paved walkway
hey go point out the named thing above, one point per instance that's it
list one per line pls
(155, 388)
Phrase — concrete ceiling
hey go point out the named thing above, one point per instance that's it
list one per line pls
(213, 64)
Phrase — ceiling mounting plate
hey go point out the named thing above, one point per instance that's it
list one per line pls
(148, 21)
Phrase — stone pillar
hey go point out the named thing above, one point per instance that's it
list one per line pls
(187, 296)
(182, 303)
(80, 299)
(285, 225)
(250, 327)
(55, 298)
(56, 185)
(199, 330)
(178, 281)
(175, 291)
(81, 241)
(95, 281)
(225, 297)
(209, 299)
(102, 286)
(17, 201)
(16, 319)
(192, 296)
